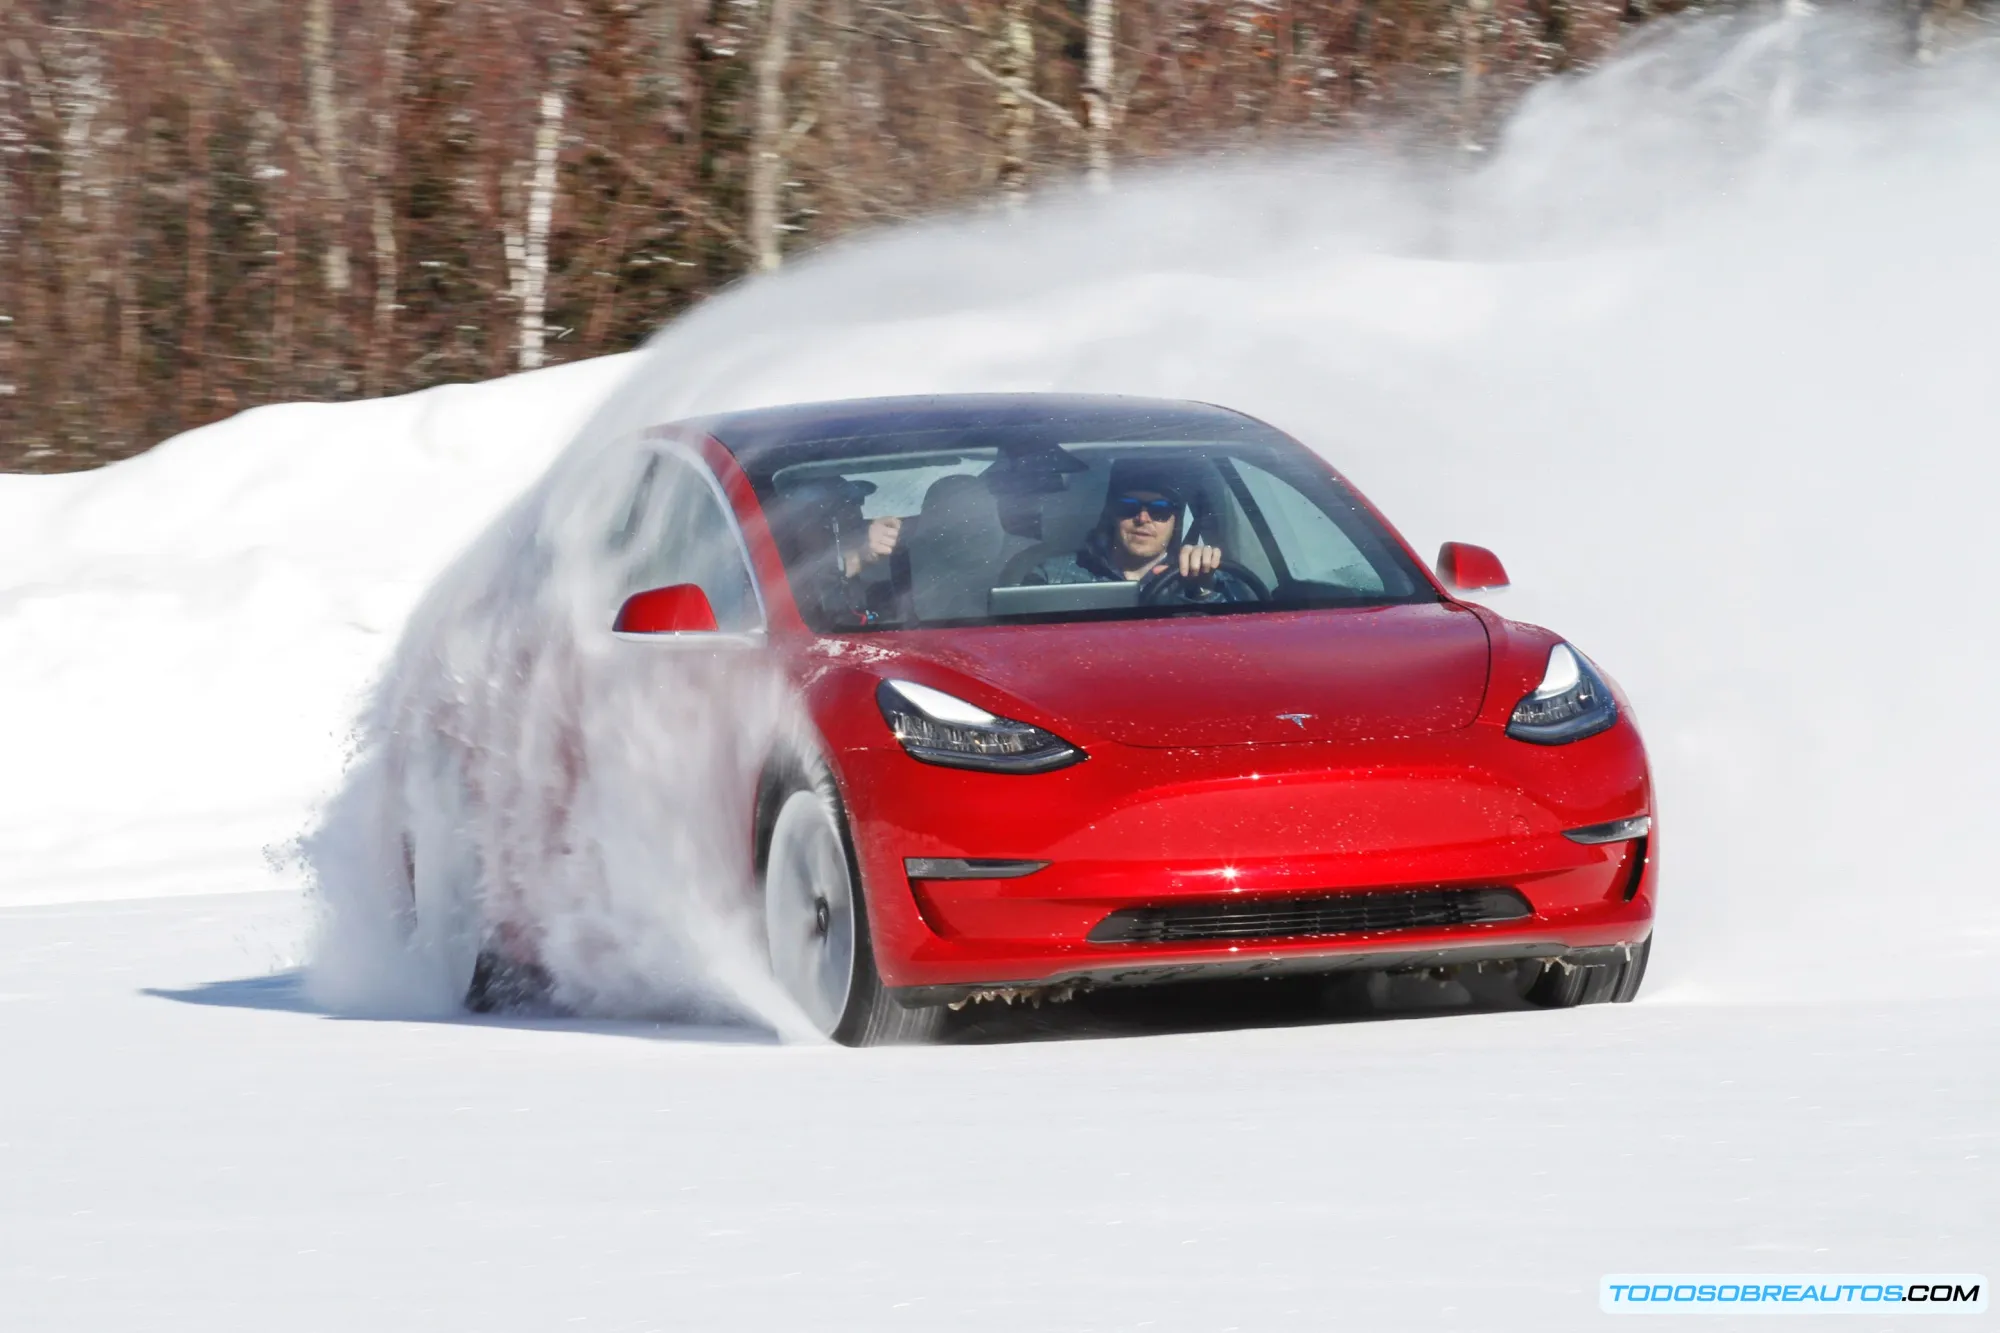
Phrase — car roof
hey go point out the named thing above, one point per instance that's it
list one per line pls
(752, 433)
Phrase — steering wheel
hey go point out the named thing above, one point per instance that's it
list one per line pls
(1167, 586)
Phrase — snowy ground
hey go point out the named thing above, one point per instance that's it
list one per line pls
(186, 1148)
(1725, 406)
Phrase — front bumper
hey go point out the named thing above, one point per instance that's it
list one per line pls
(1136, 828)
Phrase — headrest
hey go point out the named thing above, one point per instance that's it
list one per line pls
(959, 493)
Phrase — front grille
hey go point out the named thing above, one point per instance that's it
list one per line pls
(1357, 913)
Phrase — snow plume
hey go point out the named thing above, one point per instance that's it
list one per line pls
(532, 784)
(1704, 348)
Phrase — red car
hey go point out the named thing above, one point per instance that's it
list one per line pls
(1106, 691)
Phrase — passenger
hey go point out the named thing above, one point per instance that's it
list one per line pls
(822, 521)
(880, 544)
(1138, 536)
(827, 544)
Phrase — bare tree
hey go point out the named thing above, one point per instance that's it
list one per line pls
(1923, 31)
(1473, 18)
(327, 139)
(1934, 24)
(382, 210)
(200, 195)
(1100, 29)
(535, 241)
(836, 95)
(1014, 63)
(769, 142)
(203, 207)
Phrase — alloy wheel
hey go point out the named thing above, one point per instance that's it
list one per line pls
(809, 909)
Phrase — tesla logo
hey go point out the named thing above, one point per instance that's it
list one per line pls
(1298, 720)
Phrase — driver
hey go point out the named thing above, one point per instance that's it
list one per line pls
(1138, 537)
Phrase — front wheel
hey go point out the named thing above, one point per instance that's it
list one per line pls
(817, 928)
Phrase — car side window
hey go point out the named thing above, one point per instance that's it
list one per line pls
(1312, 545)
(677, 529)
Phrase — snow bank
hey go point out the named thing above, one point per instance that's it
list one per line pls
(1713, 376)
(184, 637)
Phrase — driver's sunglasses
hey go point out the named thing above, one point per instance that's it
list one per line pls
(1131, 506)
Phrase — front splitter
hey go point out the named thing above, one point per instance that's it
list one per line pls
(1250, 965)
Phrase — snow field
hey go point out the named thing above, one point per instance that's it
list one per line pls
(203, 1156)
(1716, 386)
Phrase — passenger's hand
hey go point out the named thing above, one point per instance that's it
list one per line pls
(883, 534)
(1199, 563)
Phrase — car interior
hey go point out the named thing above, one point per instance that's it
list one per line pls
(974, 529)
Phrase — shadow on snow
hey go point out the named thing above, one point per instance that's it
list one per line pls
(286, 992)
(1138, 1012)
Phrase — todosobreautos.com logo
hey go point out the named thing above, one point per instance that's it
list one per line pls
(1792, 1293)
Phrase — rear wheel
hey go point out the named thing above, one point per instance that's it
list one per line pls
(443, 915)
(1563, 984)
(500, 985)
(816, 925)
(445, 921)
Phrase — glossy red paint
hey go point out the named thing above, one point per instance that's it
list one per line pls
(1135, 826)
(1242, 680)
(680, 609)
(1279, 753)
(1468, 568)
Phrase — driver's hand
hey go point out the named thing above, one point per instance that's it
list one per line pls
(1199, 563)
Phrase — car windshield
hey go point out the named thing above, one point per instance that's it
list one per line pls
(1023, 523)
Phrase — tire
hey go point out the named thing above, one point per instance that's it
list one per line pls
(816, 928)
(500, 985)
(445, 922)
(1562, 984)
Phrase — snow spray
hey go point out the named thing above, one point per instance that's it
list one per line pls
(1704, 348)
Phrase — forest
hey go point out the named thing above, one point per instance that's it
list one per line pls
(206, 205)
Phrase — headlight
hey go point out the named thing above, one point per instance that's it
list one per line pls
(1571, 702)
(938, 729)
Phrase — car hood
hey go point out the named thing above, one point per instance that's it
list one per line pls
(1230, 679)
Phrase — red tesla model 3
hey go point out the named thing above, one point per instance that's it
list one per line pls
(1108, 691)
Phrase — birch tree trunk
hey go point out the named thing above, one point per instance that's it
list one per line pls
(135, 76)
(325, 113)
(768, 146)
(834, 92)
(1014, 62)
(1923, 31)
(535, 237)
(1100, 24)
(382, 209)
(285, 293)
(80, 97)
(194, 334)
(1471, 68)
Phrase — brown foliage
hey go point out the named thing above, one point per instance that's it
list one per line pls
(205, 205)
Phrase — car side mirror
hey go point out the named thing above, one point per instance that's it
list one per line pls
(681, 608)
(1468, 568)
